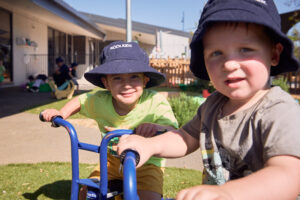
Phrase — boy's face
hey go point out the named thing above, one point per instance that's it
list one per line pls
(126, 89)
(59, 64)
(238, 59)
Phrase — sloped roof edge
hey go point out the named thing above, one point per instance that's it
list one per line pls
(289, 19)
(62, 9)
(136, 26)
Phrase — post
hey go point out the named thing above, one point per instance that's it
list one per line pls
(128, 20)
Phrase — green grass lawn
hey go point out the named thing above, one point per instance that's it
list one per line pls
(53, 180)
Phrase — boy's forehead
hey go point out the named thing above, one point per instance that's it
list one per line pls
(247, 33)
(232, 26)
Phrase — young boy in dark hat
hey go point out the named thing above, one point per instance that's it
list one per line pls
(61, 75)
(248, 131)
(125, 72)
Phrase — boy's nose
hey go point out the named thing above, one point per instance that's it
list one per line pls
(126, 83)
(231, 65)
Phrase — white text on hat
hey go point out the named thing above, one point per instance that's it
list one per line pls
(120, 46)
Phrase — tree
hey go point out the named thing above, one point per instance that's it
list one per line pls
(295, 37)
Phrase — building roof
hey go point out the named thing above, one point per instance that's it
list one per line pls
(62, 9)
(289, 19)
(136, 26)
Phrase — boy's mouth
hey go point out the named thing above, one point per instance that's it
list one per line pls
(232, 82)
(126, 94)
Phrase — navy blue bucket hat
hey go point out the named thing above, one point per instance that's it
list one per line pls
(122, 58)
(59, 60)
(261, 12)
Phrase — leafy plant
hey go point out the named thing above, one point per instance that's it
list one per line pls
(198, 86)
(282, 82)
(185, 107)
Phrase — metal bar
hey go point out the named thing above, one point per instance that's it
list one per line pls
(128, 21)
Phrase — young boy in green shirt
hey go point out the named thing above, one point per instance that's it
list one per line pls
(125, 72)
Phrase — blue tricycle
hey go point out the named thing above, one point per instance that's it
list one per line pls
(99, 190)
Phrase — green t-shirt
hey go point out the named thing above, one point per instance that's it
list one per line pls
(151, 108)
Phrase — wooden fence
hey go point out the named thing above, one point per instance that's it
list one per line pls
(177, 71)
(293, 79)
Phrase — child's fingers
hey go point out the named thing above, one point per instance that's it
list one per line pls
(146, 130)
(49, 114)
(114, 147)
(120, 146)
(108, 128)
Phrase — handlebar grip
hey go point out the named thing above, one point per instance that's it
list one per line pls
(137, 156)
(52, 119)
(41, 117)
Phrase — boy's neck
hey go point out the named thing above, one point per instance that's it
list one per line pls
(122, 109)
(235, 106)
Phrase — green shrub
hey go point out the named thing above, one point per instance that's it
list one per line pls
(197, 86)
(185, 107)
(282, 82)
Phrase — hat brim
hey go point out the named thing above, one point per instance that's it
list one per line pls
(287, 63)
(124, 67)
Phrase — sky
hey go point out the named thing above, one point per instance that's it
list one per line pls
(164, 13)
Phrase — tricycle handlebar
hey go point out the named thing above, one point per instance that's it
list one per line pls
(130, 160)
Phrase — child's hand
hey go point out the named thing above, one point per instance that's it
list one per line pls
(147, 129)
(203, 192)
(137, 143)
(108, 128)
(48, 114)
(150, 129)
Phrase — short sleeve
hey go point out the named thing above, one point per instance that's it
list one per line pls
(193, 126)
(86, 105)
(280, 130)
(164, 114)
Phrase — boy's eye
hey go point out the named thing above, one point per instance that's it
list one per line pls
(116, 78)
(134, 76)
(215, 53)
(244, 50)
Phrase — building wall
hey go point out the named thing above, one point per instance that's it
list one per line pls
(25, 26)
(169, 45)
(115, 35)
(24, 64)
(147, 47)
(82, 68)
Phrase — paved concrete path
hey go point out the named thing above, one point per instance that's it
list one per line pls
(24, 139)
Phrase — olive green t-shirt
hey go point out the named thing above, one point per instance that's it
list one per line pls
(237, 145)
(151, 108)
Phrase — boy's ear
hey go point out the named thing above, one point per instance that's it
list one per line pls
(104, 81)
(276, 52)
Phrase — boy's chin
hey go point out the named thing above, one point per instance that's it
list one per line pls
(128, 102)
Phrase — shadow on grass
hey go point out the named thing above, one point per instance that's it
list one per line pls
(56, 190)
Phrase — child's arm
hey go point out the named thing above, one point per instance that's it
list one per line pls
(171, 144)
(66, 111)
(278, 180)
(151, 129)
